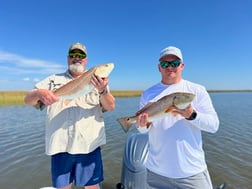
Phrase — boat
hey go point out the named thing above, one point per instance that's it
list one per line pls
(134, 173)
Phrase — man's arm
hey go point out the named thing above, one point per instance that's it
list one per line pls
(106, 98)
(43, 95)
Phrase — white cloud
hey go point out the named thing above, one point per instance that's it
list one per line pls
(11, 62)
(26, 79)
(18, 72)
(36, 80)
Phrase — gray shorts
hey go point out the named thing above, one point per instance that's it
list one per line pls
(198, 181)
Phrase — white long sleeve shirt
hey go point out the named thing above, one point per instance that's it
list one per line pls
(175, 144)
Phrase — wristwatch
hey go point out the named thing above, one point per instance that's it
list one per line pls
(104, 92)
(192, 116)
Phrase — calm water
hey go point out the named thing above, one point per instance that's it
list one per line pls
(23, 163)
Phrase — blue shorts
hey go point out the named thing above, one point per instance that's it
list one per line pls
(80, 169)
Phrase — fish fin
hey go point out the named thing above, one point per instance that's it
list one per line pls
(66, 102)
(125, 123)
(148, 124)
(169, 109)
(144, 108)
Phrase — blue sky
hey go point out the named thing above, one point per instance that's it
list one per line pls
(215, 37)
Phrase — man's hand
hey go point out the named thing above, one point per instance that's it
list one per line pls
(143, 120)
(186, 113)
(46, 96)
(99, 83)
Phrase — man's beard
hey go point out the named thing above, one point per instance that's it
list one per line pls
(76, 68)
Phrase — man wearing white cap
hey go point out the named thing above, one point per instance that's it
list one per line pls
(74, 132)
(176, 158)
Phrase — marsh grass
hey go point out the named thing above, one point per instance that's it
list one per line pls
(8, 98)
(12, 98)
(129, 93)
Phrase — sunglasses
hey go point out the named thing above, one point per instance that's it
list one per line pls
(166, 64)
(79, 55)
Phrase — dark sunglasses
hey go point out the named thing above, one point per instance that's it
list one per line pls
(166, 64)
(79, 55)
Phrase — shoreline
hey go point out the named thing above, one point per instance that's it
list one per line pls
(17, 97)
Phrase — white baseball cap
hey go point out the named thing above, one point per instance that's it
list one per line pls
(171, 50)
(78, 46)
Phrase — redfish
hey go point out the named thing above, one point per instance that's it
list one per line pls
(82, 84)
(159, 109)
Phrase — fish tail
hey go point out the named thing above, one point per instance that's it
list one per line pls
(125, 122)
